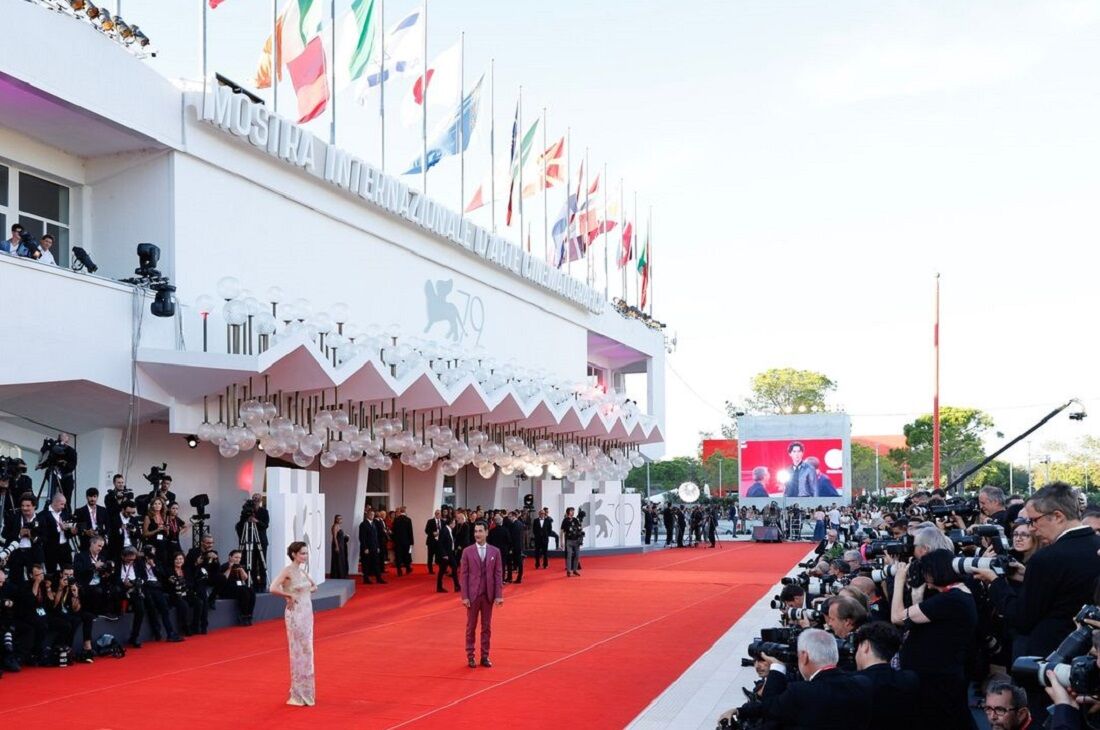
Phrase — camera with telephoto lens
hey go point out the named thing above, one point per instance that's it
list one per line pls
(965, 508)
(969, 566)
(996, 536)
(70, 580)
(248, 509)
(900, 548)
(32, 244)
(962, 539)
(778, 643)
(156, 475)
(1069, 661)
(884, 573)
(799, 614)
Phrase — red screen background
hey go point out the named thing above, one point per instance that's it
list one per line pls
(773, 454)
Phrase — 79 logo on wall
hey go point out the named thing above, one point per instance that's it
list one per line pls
(467, 318)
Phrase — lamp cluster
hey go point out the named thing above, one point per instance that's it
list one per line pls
(304, 428)
(113, 26)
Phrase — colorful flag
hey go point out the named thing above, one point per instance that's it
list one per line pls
(355, 42)
(643, 269)
(404, 48)
(570, 247)
(518, 162)
(553, 156)
(444, 80)
(628, 239)
(455, 137)
(215, 3)
(302, 20)
(310, 78)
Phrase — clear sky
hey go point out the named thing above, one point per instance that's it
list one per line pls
(811, 165)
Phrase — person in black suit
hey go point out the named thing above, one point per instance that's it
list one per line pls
(650, 521)
(23, 537)
(130, 579)
(125, 531)
(9, 501)
(669, 517)
(516, 542)
(500, 538)
(1059, 579)
(681, 526)
(369, 556)
(445, 554)
(431, 531)
(383, 536)
(829, 699)
(234, 582)
(402, 541)
(876, 644)
(829, 545)
(823, 485)
(92, 518)
(117, 496)
(991, 502)
(543, 527)
(58, 527)
(463, 534)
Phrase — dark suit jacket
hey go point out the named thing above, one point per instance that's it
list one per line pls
(464, 536)
(823, 546)
(833, 700)
(515, 536)
(1060, 578)
(757, 489)
(51, 535)
(445, 544)
(473, 573)
(891, 689)
(368, 537)
(825, 487)
(802, 481)
(542, 528)
(84, 568)
(431, 529)
(402, 532)
(500, 538)
(101, 525)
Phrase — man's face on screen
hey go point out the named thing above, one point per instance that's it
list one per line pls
(796, 456)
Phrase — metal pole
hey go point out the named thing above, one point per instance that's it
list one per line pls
(1010, 485)
(332, 128)
(382, 80)
(647, 479)
(519, 160)
(637, 289)
(606, 238)
(936, 393)
(587, 243)
(1029, 467)
(462, 125)
(275, 59)
(566, 244)
(424, 111)
(622, 234)
(545, 218)
(720, 460)
(205, 8)
(878, 481)
(493, 143)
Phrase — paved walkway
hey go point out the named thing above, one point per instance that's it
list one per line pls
(713, 683)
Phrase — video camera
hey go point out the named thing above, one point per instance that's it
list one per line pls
(901, 548)
(29, 242)
(56, 455)
(1073, 666)
(156, 475)
(12, 468)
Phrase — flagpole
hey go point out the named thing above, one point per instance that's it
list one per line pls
(587, 243)
(622, 233)
(649, 260)
(332, 130)
(606, 237)
(205, 5)
(566, 252)
(275, 56)
(493, 143)
(637, 284)
(462, 125)
(424, 110)
(545, 220)
(519, 159)
(382, 80)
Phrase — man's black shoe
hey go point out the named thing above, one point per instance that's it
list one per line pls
(175, 639)
(441, 590)
(486, 663)
(471, 663)
(134, 642)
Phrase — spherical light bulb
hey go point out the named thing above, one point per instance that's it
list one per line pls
(235, 312)
(275, 295)
(265, 323)
(340, 312)
(205, 304)
(302, 308)
(229, 287)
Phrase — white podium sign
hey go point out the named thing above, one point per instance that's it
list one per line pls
(297, 510)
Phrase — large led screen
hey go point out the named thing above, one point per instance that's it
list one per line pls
(792, 468)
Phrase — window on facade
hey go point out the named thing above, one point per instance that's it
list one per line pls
(39, 205)
(448, 490)
(4, 202)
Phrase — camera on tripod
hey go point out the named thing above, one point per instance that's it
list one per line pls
(56, 455)
(156, 475)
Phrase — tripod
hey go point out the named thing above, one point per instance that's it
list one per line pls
(253, 555)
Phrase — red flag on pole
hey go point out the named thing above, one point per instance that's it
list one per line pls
(310, 78)
(215, 3)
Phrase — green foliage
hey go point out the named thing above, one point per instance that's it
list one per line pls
(996, 474)
(727, 472)
(961, 431)
(667, 474)
(786, 390)
(863, 469)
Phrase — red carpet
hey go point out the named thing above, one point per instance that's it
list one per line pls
(606, 643)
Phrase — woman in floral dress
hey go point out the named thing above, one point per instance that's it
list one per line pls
(294, 584)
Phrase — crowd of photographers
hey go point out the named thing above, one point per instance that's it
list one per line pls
(119, 553)
(936, 614)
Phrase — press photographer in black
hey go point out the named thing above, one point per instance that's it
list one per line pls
(939, 642)
(876, 643)
(130, 579)
(156, 598)
(125, 531)
(118, 495)
(233, 582)
(92, 518)
(252, 532)
(828, 699)
(184, 596)
(204, 567)
(22, 541)
(66, 613)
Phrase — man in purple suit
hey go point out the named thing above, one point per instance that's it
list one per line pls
(481, 579)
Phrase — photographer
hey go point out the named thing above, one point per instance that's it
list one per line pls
(32, 606)
(156, 599)
(875, 645)
(130, 579)
(117, 496)
(572, 533)
(252, 533)
(58, 527)
(204, 566)
(162, 487)
(14, 634)
(877, 610)
(1005, 706)
(991, 503)
(23, 540)
(185, 597)
(125, 532)
(940, 639)
(829, 699)
(843, 615)
(233, 582)
(1060, 577)
(93, 574)
(66, 613)
(91, 518)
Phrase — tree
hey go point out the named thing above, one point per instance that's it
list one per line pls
(719, 469)
(996, 474)
(786, 390)
(961, 431)
(863, 469)
(665, 475)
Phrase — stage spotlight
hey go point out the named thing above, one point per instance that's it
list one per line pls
(192, 441)
(83, 261)
(148, 256)
(164, 304)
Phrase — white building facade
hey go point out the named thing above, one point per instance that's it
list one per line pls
(456, 328)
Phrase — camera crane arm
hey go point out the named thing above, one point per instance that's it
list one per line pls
(989, 459)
